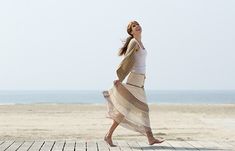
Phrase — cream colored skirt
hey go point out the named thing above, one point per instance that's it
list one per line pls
(127, 103)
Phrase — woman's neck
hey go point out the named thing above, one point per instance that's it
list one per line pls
(137, 37)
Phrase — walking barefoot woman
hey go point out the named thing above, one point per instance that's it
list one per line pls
(127, 104)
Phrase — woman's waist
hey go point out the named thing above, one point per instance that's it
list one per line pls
(139, 74)
(139, 70)
(136, 79)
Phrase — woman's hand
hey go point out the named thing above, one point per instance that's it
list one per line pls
(115, 82)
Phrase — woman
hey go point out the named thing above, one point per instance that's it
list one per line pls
(127, 104)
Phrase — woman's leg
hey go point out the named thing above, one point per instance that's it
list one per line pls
(151, 139)
(108, 136)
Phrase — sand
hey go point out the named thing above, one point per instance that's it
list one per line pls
(88, 121)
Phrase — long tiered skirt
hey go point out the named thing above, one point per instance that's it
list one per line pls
(127, 103)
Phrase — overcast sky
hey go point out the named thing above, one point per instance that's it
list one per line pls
(73, 45)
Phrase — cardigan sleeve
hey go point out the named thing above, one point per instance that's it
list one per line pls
(128, 61)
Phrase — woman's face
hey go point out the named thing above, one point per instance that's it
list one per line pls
(136, 28)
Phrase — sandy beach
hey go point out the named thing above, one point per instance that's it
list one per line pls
(88, 121)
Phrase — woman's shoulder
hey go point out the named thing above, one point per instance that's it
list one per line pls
(133, 43)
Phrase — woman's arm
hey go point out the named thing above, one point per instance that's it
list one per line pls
(127, 63)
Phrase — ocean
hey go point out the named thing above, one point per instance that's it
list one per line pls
(95, 96)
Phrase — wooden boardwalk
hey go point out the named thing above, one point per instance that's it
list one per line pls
(99, 145)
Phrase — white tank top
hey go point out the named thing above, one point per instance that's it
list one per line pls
(140, 60)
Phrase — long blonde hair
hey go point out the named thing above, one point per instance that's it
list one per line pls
(123, 49)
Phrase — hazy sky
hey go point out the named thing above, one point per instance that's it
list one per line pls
(73, 45)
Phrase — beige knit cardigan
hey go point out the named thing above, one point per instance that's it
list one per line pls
(128, 61)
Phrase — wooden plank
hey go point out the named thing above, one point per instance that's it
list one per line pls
(160, 147)
(36, 146)
(144, 146)
(197, 145)
(91, 146)
(226, 145)
(59, 145)
(103, 146)
(80, 145)
(123, 145)
(134, 145)
(47, 146)
(210, 145)
(223, 147)
(69, 145)
(6, 145)
(25, 146)
(117, 148)
(177, 145)
(166, 146)
(188, 146)
(15, 146)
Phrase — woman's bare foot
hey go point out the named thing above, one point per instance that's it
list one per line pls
(109, 141)
(155, 141)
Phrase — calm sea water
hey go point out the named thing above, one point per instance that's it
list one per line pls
(179, 96)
